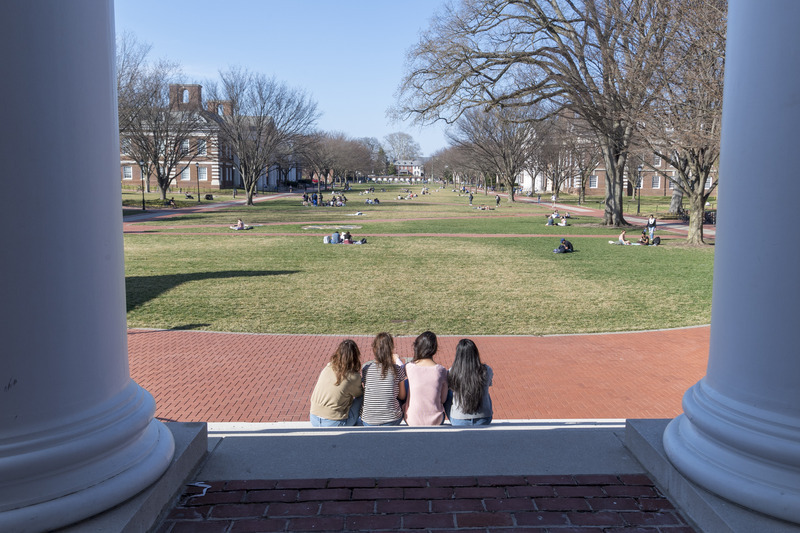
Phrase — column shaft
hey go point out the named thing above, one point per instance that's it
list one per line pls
(77, 436)
(739, 435)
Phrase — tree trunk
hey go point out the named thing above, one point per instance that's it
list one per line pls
(613, 215)
(696, 216)
(676, 201)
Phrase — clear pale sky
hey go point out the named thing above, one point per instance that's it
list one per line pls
(348, 54)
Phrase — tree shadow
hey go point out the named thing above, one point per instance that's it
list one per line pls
(141, 289)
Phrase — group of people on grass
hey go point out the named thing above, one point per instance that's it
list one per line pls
(386, 392)
(562, 219)
(334, 201)
(647, 237)
(342, 238)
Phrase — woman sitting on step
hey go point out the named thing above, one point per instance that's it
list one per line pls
(337, 396)
(468, 402)
(384, 385)
(427, 384)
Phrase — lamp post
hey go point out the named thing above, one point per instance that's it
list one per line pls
(197, 170)
(639, 186)
(141, 170)
(233, 180)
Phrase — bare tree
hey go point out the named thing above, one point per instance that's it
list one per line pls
(260, 117)
(401, 145)
(498, 140)
(132, 93)
(596, 58)
(161, 128)
(685, 126)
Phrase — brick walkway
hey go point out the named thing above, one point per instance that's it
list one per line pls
(558, 504)
(230, 377)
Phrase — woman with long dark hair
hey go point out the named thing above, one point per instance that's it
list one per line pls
(468, 402)
(427, 384)
(336, 400)
(384, 384)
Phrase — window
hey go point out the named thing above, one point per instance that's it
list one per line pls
(127, 173)
(708, 182)
(656, 161)
(656, 181)
(186, 96)
(186, 175)
(672, 183)
(220, 109)
(185, 146)
(125, 145)
(576, 182)
(201, 147)
(202, 173)
(592, 182)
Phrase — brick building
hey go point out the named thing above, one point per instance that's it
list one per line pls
(210, 163)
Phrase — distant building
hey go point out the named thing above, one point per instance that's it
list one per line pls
(212, 166)
(408, 167)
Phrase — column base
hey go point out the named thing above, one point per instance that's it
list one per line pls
(66, 474)
(741, 453)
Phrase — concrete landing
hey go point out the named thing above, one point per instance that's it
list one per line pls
(707, 511)
(298, 451)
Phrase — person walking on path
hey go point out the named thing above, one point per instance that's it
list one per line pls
(497, 200)
(470, 198)
(651, 226)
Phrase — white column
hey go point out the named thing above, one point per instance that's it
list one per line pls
(739, 435)
(77, 436)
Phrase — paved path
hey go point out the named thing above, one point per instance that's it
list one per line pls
(234, 377)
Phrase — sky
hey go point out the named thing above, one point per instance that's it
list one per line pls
(348, 55)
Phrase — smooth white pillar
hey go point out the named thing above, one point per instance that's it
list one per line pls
(739, 435)
(77, 436)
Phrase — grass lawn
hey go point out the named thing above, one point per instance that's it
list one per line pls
(431, 262)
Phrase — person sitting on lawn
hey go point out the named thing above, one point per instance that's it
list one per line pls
(622, 239)
(335, 238)
(468, 402)
(239, 225)
(562, 222)
(644, 239)
(564, 248)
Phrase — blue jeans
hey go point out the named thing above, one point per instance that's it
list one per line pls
(351, 420)
(448, 405)
(392, 423)
(471, 421)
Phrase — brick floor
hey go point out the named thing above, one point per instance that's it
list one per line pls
(595, 503)
(231, 377)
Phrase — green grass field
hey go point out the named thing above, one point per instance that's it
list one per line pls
(434, 263)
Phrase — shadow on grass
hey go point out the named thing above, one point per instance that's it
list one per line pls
(141, 289)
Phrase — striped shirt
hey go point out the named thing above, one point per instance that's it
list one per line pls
(380, 394)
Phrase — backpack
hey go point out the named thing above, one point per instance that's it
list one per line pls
(656, 241)
(326, 240)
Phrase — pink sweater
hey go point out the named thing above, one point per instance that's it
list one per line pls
(427, 391)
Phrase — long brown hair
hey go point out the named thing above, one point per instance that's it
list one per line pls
(345, 360)
(467, 378)
(382, 348)
(425, 346)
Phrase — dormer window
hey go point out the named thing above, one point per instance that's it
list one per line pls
(185, 96)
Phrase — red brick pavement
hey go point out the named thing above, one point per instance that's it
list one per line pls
(233, 377)
(558, 504)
